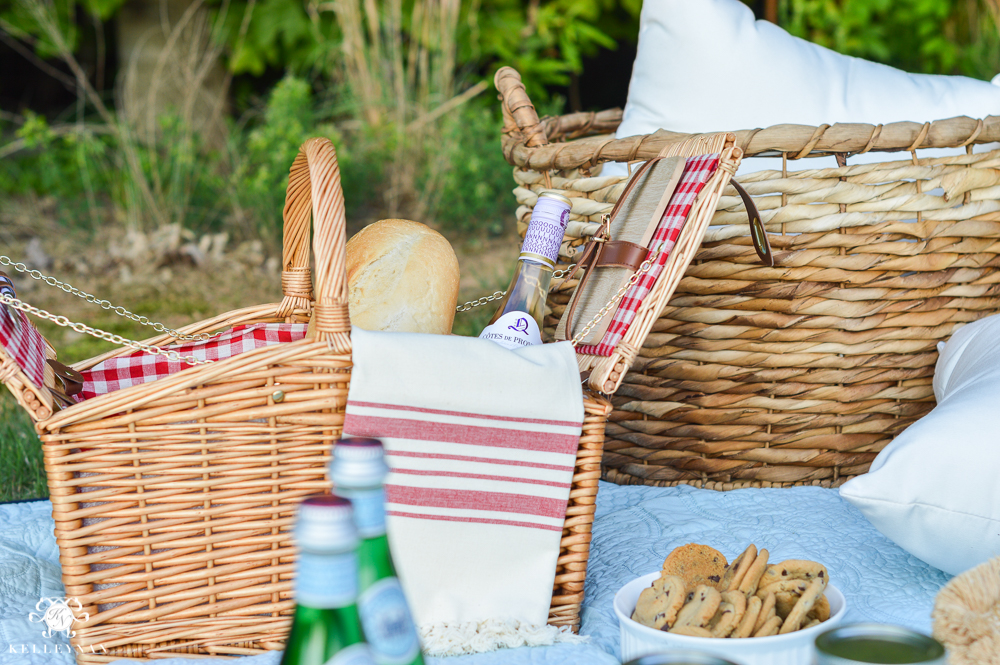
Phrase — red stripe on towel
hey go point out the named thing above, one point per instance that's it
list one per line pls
(465, 414)
(483, 460)
(482, 476)
(478, 520)
(496, 437)
(500, 502)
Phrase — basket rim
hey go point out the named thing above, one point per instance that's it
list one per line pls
(189, 377)
(583, 140)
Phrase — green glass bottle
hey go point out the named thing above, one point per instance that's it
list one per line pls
(358, 472)
(326, 628)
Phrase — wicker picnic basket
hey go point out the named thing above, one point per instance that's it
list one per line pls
(174, 500)
(799, 373)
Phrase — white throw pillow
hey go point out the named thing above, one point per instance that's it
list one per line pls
(707, 65)
(935, 490)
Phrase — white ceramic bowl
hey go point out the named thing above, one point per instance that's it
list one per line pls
(791, 649)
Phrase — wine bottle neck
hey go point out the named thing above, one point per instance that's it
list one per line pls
(545, 231)
(537, 259)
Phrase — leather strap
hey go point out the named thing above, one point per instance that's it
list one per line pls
(68, 382)
(633, 181)
(591, 256)
(758, 235)
(601, 252)
(592, 252)
(620, 254)
(72, 380)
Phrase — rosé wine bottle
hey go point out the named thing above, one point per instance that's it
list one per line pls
(518, 320)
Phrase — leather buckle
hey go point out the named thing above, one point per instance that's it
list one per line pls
(70, 379)
(603, 233)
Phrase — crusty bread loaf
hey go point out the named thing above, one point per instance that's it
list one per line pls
(402, 276)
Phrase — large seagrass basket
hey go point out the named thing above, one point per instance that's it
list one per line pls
(174, 500)
(802, 372)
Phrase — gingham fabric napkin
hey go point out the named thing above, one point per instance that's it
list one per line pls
(20, 340)
(481, 442)
(697, 171)
(140, 367)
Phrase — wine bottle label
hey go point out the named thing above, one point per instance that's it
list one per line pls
(369, 510)
(385, 618)
(545, 231)
(326, 581)
(356, 654)
(513, 330)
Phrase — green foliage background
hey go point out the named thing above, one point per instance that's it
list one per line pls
(925, 36)
(547, 39)
(239, 186)
(96, 170)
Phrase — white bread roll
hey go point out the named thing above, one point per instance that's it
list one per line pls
(402, 276)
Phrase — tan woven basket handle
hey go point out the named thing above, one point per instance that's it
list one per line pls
(519, 113)
(296, 277)
(314, 190)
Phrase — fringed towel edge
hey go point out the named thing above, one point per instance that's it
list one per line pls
(456, 639)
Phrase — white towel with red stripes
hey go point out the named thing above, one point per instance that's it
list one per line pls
(481, 442)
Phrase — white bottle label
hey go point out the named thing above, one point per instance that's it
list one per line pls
(369, 510)
(513, 330)
(388, 626)
(356, 654)
(326, 581)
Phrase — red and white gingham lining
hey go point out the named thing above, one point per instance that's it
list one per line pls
(24, 344)
(697, 171)
(140, 367)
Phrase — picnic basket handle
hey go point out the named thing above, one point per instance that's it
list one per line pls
(314, 192)
(519, 113)
(296, 276)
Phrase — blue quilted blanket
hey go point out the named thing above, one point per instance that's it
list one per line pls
(634, 529)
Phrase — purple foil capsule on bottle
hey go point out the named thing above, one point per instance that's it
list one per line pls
(546, 229)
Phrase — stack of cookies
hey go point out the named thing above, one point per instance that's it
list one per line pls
(699, 593)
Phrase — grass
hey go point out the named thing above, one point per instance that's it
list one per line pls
(22, 474)
(471, 323)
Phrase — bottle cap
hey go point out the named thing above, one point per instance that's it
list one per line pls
(358, 463)
(325, 525)
(555, 194)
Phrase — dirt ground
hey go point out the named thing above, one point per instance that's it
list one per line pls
(176, 278)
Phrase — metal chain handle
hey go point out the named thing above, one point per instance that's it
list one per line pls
(101, 334)
(558, 274)
(120, 311)
(644, 267)
(191, 360)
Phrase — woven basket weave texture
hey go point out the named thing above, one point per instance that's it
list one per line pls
(800, 373)
(174, 500)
